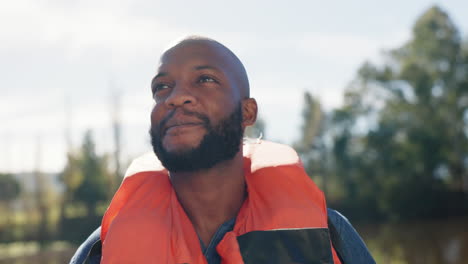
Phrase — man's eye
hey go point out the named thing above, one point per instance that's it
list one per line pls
(160, 86)
(206, 79)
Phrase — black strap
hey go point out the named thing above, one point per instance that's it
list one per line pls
(335, 239)
(95, 252)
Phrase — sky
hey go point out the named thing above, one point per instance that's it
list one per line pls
(64, 63)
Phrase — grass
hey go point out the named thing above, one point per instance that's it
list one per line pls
(21, 249)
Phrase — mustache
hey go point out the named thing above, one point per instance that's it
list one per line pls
(201, 117)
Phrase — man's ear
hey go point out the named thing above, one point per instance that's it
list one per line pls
(249, 112)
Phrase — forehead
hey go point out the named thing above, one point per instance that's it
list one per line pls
(197, 52)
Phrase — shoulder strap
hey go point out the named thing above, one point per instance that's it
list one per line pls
(90, 251)
(94, 256)
(348, 245)
(334, 236)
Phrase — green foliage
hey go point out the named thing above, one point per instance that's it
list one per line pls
(86, 176)
(399, 146)
(312, 115)
(87, 182)
(9, 188)
(95, 177)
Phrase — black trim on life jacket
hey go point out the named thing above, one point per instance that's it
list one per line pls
(286, 246)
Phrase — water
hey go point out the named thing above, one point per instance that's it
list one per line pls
(48, 257)
(418, 242)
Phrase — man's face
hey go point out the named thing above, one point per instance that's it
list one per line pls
(197, 119)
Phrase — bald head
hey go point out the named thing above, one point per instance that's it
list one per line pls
(231, 61)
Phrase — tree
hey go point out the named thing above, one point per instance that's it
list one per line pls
(423, 121)
(313, 116)
(399, 144)
(312, 144)
(9, 188)
(87, 182)
(94, 185)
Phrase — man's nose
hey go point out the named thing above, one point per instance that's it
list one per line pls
(180, 95)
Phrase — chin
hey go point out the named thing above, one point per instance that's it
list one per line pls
(183, 145)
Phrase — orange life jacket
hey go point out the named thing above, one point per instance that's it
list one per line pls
(282, 220)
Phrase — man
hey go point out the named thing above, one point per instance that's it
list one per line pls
(208, 197)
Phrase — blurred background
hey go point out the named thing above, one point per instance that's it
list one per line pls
(373, 96)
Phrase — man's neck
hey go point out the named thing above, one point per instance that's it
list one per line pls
(213, 196)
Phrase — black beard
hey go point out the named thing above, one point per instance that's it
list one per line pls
(221, 143)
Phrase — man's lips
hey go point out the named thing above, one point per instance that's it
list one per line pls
(181, 119)
(178, 126)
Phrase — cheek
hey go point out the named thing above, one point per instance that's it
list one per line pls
(219, 107)
(156, 115)
(226, 109)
